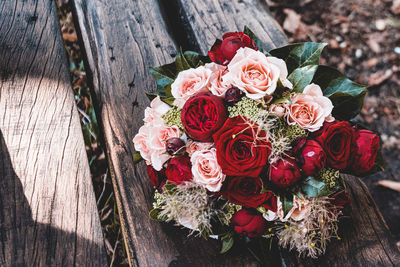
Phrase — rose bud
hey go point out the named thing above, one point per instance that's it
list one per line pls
(310, 157)
(284, 172)
(175, 146)
(179, 170)
(248, 223)
(367, 144)
(337, 139)
(223, 51)
(233, 95)
(203, 115)
(157, 178)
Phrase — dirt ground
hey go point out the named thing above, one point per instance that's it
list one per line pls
(363, 39)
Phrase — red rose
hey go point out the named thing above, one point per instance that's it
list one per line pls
(239, 152)
(337, 140)
(246, 191)
(284, 172)
(367, 144)
(179, 170)
(157, 178)
(202, 115)
(310, 156)
(248, 223)
(223, 51)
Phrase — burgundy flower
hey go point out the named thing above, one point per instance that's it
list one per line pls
(248, 223)
(202, 115)
(367, 149)
(179, 170)
(284, 172)
(157, 178)
(310, 156)
(223, 51)
(246, 191)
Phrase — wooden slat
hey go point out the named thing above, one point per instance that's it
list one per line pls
(366, 240)
(122, 39)
(48, 214)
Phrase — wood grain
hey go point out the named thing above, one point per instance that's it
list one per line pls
(48, 213)
(121, 40)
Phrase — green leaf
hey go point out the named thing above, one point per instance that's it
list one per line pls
(301, 77)
(189, 59)
(164, 76)
(227, 244)
(287, 204)
(169, 189)
(299, 55)
(137, 157)
(314, 188)
(347, 96)
(154, 215)
(253, 37)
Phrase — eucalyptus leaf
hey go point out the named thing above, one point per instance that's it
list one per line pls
(287, 204)
(312, 187)
(299, 55)
(301, 77)
(227, 244)
(346, 95)
(137, 157)
(164, 76)
(253, 37)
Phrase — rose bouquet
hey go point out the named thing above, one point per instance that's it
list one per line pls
(245, 144)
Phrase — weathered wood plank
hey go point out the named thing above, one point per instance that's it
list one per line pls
(366, 240)
(48, 214)
(121, 41)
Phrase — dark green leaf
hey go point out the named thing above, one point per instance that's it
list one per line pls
(189, 59)
(169, 189)
(253, 37)
(164, 76)
(346, 95)
(314, 188)
(299, 55)
(287, 204)
(227, 244)
(301, 77)
(137, 157)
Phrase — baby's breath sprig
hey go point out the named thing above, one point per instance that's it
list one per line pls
(173, 117)
(246, 107)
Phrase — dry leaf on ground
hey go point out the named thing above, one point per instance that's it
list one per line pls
(390, 184)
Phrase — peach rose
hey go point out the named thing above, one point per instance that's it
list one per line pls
(140, 142)
(300, 210)
(156, 110)
(190, 82)
(158, 137)
(278, 110)
(206, 170)
(255, 74)
(193, 146)
(309, 109)
(217, 86)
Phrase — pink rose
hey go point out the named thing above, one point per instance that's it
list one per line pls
(255, 74)
(190, 82)
(157, 143)
(310, 109)
(206, 170)
(155, 111)
(278, 110)
(193, 146)
(141, 143)
(217, 86)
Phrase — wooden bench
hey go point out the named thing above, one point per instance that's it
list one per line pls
(122, 39)
(48, 214)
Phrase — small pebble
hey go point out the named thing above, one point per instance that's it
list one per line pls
(380, 24)
(397, 50)
(358, 53)
(339, 38)
(343, 45)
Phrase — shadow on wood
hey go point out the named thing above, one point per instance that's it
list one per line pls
(26, 242)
